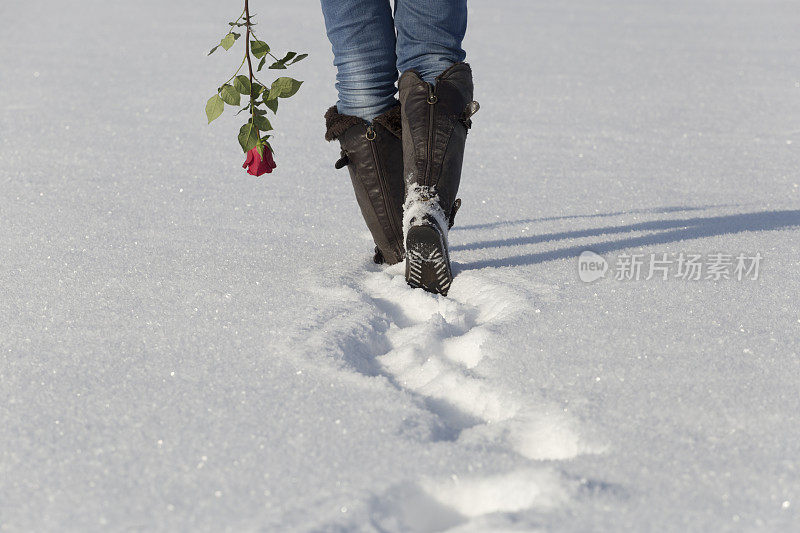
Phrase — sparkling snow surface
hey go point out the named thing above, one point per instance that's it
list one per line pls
(184, 347)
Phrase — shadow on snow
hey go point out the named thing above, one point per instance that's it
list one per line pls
(672, 230)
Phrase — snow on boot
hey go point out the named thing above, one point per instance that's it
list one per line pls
(425, 228)
(374, 156)
(435, 120)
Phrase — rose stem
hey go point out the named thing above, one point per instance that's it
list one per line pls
(249, 64)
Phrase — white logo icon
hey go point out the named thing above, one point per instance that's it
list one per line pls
(591, 266)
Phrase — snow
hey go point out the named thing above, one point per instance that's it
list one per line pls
(188, 348)
(420, 204)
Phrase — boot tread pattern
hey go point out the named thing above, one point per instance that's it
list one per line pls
(427, 265)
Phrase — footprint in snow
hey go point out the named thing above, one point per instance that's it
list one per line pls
(436, 348)
(435, 351)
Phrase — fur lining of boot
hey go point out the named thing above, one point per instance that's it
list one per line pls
(391, 121)
(336, 123)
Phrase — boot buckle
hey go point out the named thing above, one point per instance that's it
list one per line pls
(342, 162)
(466, 115)
(453, 211)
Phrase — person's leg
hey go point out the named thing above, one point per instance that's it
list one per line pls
(366, 119)
(436, 108)
(429, 35)
(362, 36)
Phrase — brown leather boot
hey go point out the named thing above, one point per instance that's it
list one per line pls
(435, 121)
(374, 156)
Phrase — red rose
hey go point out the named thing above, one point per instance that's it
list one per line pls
(255, 165)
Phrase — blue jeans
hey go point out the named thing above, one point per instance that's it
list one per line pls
(368, 52)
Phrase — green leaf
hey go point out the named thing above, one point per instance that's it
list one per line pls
(261, 123)
(272, 104)
(284, 88)
(227, 41)
(259, 111)
(213, 50)
(260, 148)
(261, 63)
(259, 48)
(214, 107)
(281, 63)
(242, 84)
(298, 58)
(230, 95)
(289, 59)
(248, 136)
(257, 89)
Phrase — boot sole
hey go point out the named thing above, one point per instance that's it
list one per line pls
(427, 261)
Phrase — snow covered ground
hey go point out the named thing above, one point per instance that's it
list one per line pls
(186, 348)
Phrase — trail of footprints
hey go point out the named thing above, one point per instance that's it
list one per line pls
(435, 352)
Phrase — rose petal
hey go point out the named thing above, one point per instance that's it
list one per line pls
(248, 160)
